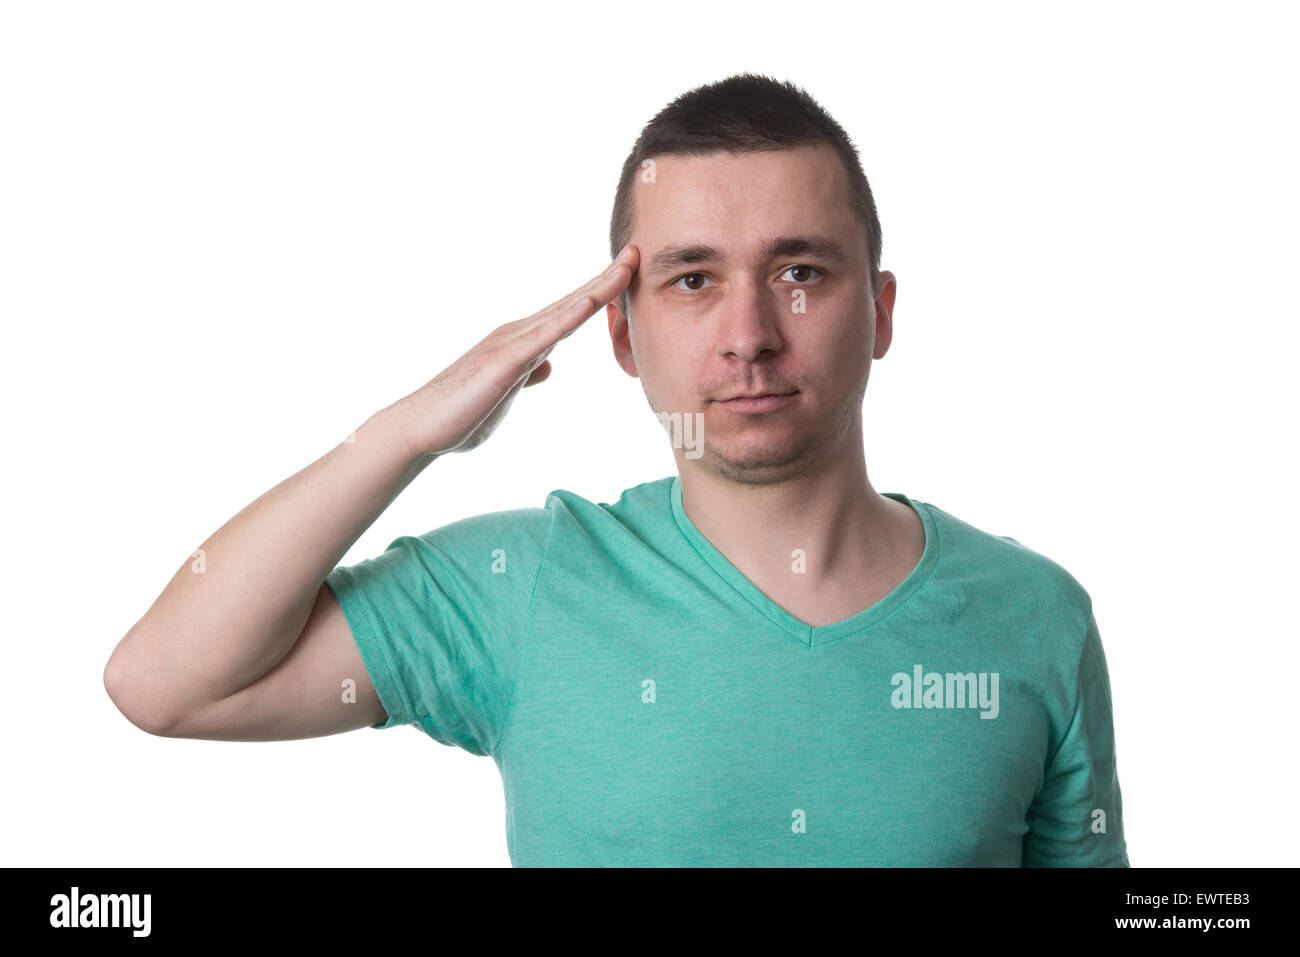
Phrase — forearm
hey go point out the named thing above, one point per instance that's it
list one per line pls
(236, 607)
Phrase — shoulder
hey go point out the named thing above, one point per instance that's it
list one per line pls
(516, 526)
(1014, 573)
(638, 511)
(648, 496)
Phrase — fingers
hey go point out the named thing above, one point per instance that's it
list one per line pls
(603, 287)
(560, 319)
(629, 257)
(540, 374)
(614, 279)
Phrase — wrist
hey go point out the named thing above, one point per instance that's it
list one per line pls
(397, 425)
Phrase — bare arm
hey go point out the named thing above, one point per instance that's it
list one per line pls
(246, 643)
(234, 613)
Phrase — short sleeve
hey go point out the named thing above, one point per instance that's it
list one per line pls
(441, 622)
(1076, 819)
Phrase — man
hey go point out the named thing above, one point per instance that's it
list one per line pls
(760, 661)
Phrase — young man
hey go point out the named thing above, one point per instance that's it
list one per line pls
(760, 661)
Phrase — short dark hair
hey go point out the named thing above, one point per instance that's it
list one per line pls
(743, 113)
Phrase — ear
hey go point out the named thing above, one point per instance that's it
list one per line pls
(885, 313)
(620, 338)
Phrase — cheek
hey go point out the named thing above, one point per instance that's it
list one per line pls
(680, 368)
(658, 349)
(844, 349)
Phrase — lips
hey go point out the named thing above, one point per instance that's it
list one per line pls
(754, 395)
(753, 403)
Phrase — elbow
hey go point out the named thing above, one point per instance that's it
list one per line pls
(141, 710)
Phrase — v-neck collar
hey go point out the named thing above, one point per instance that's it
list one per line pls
(809, 634)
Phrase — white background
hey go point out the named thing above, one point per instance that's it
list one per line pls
(230, 232)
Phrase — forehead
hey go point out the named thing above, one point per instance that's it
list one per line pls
(742, 197)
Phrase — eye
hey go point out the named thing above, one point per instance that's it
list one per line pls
(695, 279)
(805, 269)
(689, 275)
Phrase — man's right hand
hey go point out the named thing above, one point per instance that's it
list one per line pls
(459, 408)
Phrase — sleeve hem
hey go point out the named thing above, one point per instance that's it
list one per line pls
(373, 657)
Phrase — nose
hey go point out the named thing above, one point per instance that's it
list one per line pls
(748, 321)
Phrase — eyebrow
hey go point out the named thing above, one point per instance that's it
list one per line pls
(687, 254)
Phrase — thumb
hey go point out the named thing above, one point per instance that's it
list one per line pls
(540, 374)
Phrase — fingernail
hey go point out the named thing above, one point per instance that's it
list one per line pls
(622, 256)
(612, 269)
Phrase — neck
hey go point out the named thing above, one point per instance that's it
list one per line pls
(845, 530)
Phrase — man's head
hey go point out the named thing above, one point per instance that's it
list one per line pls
(759, 271)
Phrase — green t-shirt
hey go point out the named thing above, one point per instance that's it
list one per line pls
(647, 705)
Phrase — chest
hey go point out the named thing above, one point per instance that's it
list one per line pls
(731, 751)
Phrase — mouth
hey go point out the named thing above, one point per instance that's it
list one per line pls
(757, 403)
